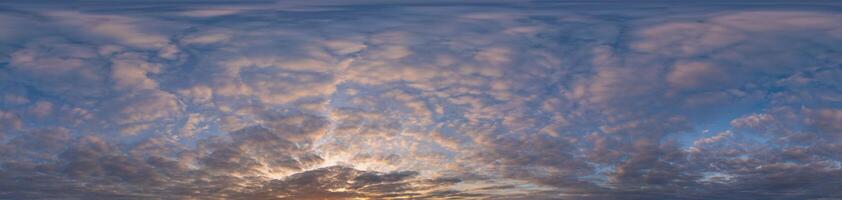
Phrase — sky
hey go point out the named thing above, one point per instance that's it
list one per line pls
(421, 100)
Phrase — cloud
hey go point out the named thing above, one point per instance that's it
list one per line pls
(58, 66)
(124, 29)
(41, 109)
(10, 121)
(825, 119)
(130, 72)
(423, 101)
(139, 111)
(754, 121)
(689, 75)
(209, 12)
(343, 182)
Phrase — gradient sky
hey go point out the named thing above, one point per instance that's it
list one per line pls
(421, 100)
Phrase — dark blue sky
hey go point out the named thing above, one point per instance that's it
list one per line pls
(420, 100)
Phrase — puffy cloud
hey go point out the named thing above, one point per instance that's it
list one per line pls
(690, 75)
(754, 121)
(826, 120)
(139, 111)
(42, 140)
(10, 121)
(494, 55)
(41, 108)
(60, 66)
(130, 72)
(345, 46)
(295, 101)
(148, 107)
(192, 125)
(343, 182)
(200, 94)
(124, 29)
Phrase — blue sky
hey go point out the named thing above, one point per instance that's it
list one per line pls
(420, 100)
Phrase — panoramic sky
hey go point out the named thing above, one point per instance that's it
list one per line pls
(421, 100)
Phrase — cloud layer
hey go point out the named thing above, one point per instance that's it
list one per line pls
(379, 100)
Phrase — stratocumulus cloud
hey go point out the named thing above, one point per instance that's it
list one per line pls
(420, 100)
